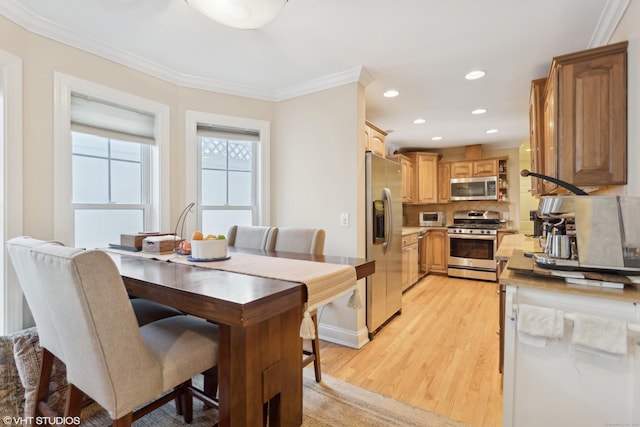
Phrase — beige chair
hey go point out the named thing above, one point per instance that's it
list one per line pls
(249, 236)
(310, 241)
(146, 311)
(295, 239)
(94, 331)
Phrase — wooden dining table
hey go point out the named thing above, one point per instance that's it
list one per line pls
(259, 343)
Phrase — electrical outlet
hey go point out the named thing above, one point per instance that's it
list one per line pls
(344, 219)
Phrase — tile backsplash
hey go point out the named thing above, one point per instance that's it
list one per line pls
(410, 213)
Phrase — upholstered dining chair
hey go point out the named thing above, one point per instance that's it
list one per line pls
(95, 333)
(249, 236)
(310, 241)
(296, 239)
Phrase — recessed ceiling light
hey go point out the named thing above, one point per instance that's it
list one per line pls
(419, 121)
(476, 74)
(436, 138)
(479, 111)
(391, 94)
(492, 131)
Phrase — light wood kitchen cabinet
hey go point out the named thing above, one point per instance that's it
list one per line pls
(408, 179)
(426, 177)
(536, 136)
(437, 250)
(485, 167)
(471, 168)
(462, 169)
(375, 139)
(444, 182)
(585, 118)
(410, 259)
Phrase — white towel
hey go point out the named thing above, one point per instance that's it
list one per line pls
(600, 334)
(538, 326)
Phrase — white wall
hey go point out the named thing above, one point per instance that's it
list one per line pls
(628, 29)
(315, 144)
(317, 173)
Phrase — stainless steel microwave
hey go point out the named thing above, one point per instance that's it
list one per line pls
(477, 188)
(433, 219)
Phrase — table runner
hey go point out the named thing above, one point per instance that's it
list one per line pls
(325, 282)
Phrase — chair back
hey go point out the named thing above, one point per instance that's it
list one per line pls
(294, 239)
(249, 236)
(104, 352)
(19, 249)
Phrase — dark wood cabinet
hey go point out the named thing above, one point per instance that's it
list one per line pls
(584, 119)
(536, 137)
(592, 103)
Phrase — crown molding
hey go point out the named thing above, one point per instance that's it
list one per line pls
(609, 20)
(16, 12)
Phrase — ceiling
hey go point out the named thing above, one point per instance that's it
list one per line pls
(422, 48)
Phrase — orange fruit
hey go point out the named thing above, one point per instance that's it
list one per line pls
(185, 247)
(197, 235)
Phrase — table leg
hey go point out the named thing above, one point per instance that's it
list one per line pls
(261, 364)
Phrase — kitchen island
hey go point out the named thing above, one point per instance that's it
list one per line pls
(576, 373)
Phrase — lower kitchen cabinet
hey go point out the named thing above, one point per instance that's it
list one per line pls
(410, 260)
(437, 250)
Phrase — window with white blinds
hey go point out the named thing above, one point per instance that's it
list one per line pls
(227, 185)
(111, 163)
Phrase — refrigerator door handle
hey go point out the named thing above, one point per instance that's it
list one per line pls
(386, 196)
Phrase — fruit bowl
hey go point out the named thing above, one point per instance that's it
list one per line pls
(208, 249)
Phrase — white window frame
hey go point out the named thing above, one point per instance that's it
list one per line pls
(160, 154)
(11, 300)
(195, 118)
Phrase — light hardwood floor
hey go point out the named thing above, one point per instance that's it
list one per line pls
(440, 354)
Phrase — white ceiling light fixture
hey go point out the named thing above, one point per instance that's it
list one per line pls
(479, 111)
(243, 14)
(436, 138)
(419, 121)
(490, 131)
(391, 93)
(475, 75)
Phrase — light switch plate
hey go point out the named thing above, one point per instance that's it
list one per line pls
(344, 219)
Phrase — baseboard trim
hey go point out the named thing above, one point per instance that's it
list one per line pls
(345, 337)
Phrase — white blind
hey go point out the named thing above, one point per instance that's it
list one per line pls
(113, 121)
(228, 133)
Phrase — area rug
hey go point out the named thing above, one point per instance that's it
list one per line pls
(330, 403)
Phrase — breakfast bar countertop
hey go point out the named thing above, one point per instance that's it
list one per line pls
(510, 242)
(514, 245)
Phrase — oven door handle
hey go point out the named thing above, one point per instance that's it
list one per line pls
(472, 236)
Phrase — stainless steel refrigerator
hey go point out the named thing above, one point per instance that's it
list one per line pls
(384, 240)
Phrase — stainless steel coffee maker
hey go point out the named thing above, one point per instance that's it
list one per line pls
(590, 233)
(556, 242)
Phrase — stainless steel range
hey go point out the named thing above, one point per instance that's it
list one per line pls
(473, 240)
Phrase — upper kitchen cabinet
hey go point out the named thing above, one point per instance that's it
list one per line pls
(536, 109)
(485, 167)
(444, 182)
(375, 139)
(426, 176)
(408, 179)
(462, 169)
(585, 118)
(471, 168)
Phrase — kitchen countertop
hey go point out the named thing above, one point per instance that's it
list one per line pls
(510, 242)
(510, 277)
(413, 230)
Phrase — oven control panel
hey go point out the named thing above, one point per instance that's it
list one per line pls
(477, 231)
